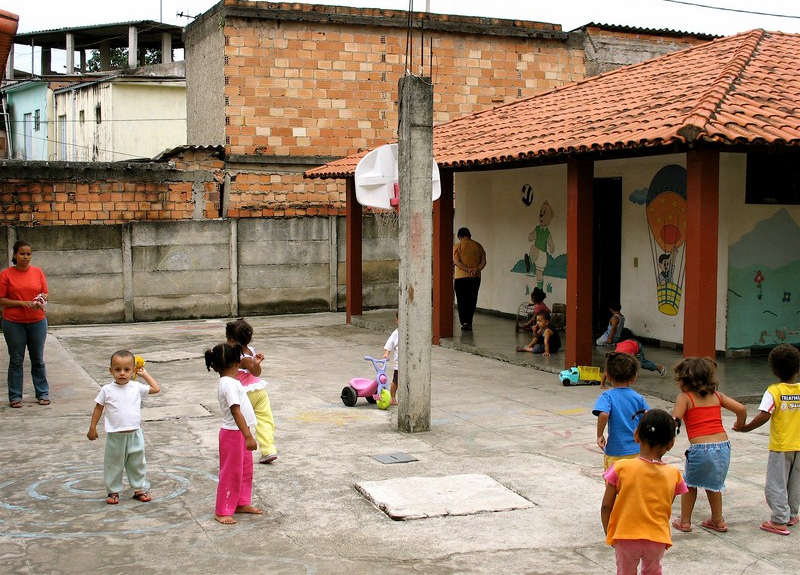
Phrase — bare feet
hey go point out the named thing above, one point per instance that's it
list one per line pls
(248, 509)
(225, 519)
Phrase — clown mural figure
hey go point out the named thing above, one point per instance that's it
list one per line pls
(542, 244)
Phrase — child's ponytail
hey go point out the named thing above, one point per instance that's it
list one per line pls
(657, 428)
(223, 356)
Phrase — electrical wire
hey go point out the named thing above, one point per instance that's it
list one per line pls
(87, 148)
(730, 9)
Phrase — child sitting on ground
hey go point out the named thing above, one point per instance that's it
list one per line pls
(537, 300)
(241, 332)
(392, 345)
(637, 503)
(700, 405)
(235, 487)
(545, 339)
(120, 404)
(620, 408)
(781, 407)
(616, 323)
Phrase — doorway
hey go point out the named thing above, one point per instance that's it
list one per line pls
(606, 249)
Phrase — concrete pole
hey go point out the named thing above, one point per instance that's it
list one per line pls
(10, 64)
(133, 47)
(105, 55)
(166, 48)
(82, 55)
(45, 71)
(416, 251)
(70, 53)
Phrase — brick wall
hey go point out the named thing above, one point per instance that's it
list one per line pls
(70, 193)
(300, 88)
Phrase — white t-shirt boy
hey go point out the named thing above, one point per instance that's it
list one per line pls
(122, 405)
(230, 392)
(391, 345)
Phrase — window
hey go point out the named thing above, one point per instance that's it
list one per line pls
(27, 120)
(772, 179)
(62, 142)
(37, 120)
(81, 117)
(98, 114)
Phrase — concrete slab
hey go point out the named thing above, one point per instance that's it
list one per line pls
(506, 421)
(174, 412)
(424, 497)
(169, 355)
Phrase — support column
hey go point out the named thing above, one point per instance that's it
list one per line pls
(129, 309)
(415, 163)
(166, 48)
(702, 245)
(233, 257)
(70, 49)
(82, 55)
(45, 61)
(443, 260)
(105, 55)
(578, 350)
(10, 63)
(353, 264)
(333, 262)
(133, 47)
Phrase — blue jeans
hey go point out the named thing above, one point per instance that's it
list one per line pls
(18, 337)
(644, 362)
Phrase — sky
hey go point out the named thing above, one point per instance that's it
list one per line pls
(36, 15)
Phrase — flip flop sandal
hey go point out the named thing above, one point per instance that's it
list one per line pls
(769, 527)
(685, 527)
(793, 521)
(267, 459)
(144, 497)
(113, 498)
(15, 404)
(720, 527)
(44, 401)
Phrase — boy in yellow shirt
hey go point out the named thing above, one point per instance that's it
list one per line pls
(781, 404)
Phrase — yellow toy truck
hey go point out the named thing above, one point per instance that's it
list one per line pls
(581, 375)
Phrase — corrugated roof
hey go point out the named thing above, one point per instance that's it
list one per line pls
(651, 31)
(742, 89)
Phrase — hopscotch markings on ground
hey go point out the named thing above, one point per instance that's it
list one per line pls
(55, 504)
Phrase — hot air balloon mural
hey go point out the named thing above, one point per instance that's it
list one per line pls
(666, 218)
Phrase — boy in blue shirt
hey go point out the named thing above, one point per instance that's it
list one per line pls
(620, 408)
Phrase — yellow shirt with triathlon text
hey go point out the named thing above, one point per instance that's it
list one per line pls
(784, 429)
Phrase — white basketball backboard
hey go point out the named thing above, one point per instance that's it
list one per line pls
(377, 175)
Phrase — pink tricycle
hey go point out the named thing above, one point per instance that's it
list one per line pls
(374, 390)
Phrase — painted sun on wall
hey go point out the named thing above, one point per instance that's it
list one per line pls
(665, 205)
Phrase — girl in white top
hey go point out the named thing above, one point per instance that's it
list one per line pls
(235, 439)
(249, 375)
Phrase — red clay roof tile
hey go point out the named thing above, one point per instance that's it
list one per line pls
(743, 89)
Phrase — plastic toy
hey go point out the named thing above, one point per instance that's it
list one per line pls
(581, 375)
(374, 390)
(138, 362)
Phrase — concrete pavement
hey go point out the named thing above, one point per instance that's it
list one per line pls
(517, 426)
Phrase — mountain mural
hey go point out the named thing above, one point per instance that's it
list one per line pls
(754, 248)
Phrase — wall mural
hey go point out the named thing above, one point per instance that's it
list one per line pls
(763, 272)
(539, 257)
(665, 208)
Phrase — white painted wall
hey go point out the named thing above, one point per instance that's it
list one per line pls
(160, 113)
(489, 204)
(137, 120)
